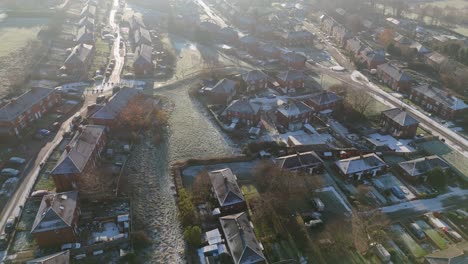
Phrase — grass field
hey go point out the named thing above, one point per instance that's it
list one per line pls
(16, 32)
(437, 239)
(450, 3)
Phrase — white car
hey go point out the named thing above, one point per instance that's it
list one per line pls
(71, 246)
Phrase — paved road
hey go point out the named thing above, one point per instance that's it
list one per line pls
(117, 54)
(211, 13)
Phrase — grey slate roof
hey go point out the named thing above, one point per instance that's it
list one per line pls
(358, 164)
(225, 187)
(371, 55)
(294, 108)
(86, 21)
(82, 148)
(441, 97)
(142, 36)
(293, 57)
(116, 104)
(248, 39)
(298, 160)
(241, 240)
(80, 53)
(144, 54)
(88, 10)
(290, 75)
(56, 258)
(84, 34)
(400, 116)
(436, 57)
(325, 98)
(254, 75)
(224, 86)
(243, 106)
(23, 103)
(421, 166)
(354, 45)
(55, 212)
(394, 72)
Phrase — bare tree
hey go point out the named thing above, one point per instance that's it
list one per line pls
(359, 101)
(201, 187)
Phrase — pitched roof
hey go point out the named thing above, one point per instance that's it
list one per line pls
(254, 75)
(243, 106)
(436, 57)
(294, 108)
(354, 45)
(293, 57)
(142, 36)
(225, 187)
(400, 116)
(116, 104)
(23, 103)
(419, 47)
(84, 34)
(88, 10)
(441, 96)
(144, 54)
(56, 211)
(298, 160)
(455, 254)
(82, 147)
(80, 53)
(394, 72)
(358, 164)
(325, 98)
(290, 75)
(225, 86)
(241, 240)
(86, 21)
(402, 40)
(56, 258)
(421, 166)
(372, 56)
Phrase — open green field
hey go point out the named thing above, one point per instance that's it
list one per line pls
(458, 161)
(450, 3)
(16, 32)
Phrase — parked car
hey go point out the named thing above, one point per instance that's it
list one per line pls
(314, 223)
(417, 231)
(10, 225)
(71, 246)
(77, 119)
(100, 98)
(3, 241)
(43, 132)
(16, 161)
(9, 172)
(398, 192)
(281, 129)
(39, 193)
(318, 204)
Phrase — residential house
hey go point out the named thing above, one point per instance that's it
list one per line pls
(399, 123)
(86, 21)
(293, 115)
(229, 36)
(394, 77)
(372, 58)
(293, 60)
(88, 11)
(19, 112)
(308, 162)
(143, 62)
(108, 115)
(84, 35)
(141, 36)
(209, 27)
(269, 52)
(328, 25)
(441, 40)
(295, 38)
(364, 165)
(250, 44)
(436, 60)
(227, 192)
(222, 92)
(245, 22)
(420, 49)
(56, 258)
(438, 101)
(79, 60)
(240, 237)
(79, 157)
(402, 42)
(291, 80)
(255, 80)
(417, 169)
(454, 254)
(56, 221)
(354, 46)
(325, 101)
(136, 22)
(243, 111)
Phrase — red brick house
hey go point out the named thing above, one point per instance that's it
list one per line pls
(255, 80)
(108, 115)
(438, 101)
(394, 77)
(227, 192)
(242, 111)
(325, 101)
(79, 60)
(398, 123)
(291, 80)
(25, 109)
(372, 58)
(143, 63)
(250, 44)
(293, 115)
(295, 38)
(416, 170)
(79, 156)
(57, 219)
(56, 258)
(293, 60)
(436, 60)
(269, 52)
(222, 92)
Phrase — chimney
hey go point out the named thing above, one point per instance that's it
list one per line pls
(67, 148)
(48, 201)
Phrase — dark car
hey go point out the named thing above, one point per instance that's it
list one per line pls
(281, 129)
(398, 192)
(3, 241)
(10, 225)
(43, 132)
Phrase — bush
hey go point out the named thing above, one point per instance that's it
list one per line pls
(192, 234)
(140, 239)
